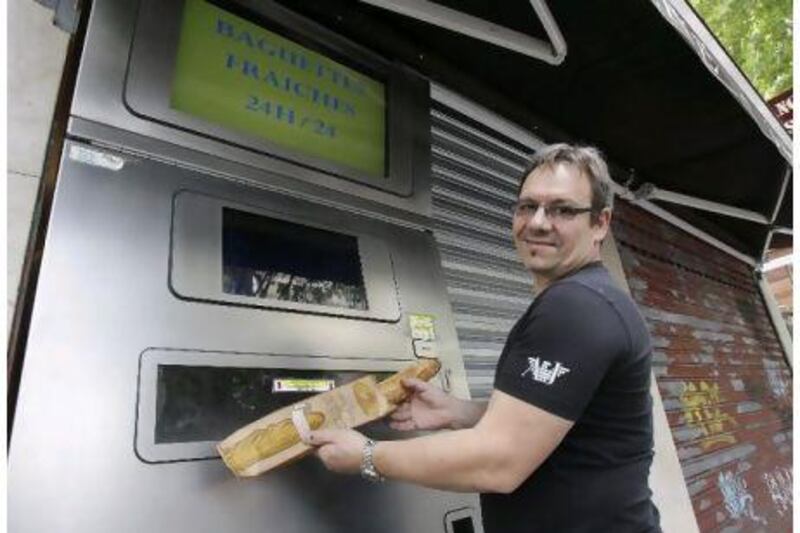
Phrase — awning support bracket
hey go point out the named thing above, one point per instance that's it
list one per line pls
(553, 52)
(648, 191)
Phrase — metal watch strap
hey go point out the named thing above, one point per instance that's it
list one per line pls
(368, 470)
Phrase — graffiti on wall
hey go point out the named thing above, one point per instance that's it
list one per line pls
(738, 500)
(779, 484)
(701, 409)
(777, 383)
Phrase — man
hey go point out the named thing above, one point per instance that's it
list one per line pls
(565, 441)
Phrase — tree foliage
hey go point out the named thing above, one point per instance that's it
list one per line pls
(758, 36)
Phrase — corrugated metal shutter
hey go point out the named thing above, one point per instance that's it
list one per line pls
(720, 369)
(475, 179)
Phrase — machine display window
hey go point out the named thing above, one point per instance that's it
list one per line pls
(280, 254)
(190, 400)
(239, 74)
(208, 403)
(253, 82)
(273, 259)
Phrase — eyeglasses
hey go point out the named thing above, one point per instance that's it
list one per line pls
(554, 213)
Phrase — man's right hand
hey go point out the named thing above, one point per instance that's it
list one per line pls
(429, 407)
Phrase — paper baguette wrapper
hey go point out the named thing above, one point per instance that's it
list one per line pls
(274, 440)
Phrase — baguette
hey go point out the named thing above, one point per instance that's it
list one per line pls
(267, 442)
(273, 440)
(392, 388)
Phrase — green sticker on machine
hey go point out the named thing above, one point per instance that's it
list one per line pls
(422, 327)
(240, 75)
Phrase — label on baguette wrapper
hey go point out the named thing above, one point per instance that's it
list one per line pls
(274, 439)
(300, 422)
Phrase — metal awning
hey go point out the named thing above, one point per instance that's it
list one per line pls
(659, 101)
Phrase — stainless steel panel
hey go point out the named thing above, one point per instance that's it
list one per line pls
(101, 92)
(103, 298)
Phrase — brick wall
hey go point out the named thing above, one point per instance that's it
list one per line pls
(721, 372)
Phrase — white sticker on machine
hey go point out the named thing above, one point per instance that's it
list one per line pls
(424, 348)
(95, 158)
(302, 385)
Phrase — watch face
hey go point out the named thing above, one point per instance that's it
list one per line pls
(372, 475)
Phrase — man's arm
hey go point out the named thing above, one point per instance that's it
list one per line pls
(509, 442)
(429, 407)
(470, 414)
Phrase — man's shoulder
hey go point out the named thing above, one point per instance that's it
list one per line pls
(594, 294)
(578, 306)
(592, 282)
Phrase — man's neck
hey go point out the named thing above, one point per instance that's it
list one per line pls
(541, 281)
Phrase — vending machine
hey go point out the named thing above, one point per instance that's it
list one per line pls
(241, 219)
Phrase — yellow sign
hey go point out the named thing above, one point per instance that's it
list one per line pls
(422, 327)
(237, 74)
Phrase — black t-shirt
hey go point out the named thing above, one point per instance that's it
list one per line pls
(582, 352)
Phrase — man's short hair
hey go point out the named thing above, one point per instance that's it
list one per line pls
(589, 162)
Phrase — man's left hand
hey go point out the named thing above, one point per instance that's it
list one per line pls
(340, 450)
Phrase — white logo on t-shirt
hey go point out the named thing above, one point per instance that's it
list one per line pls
(544, 371)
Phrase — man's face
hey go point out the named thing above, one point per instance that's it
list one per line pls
(550, 248)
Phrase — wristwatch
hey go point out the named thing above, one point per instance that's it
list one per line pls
(368, 470)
